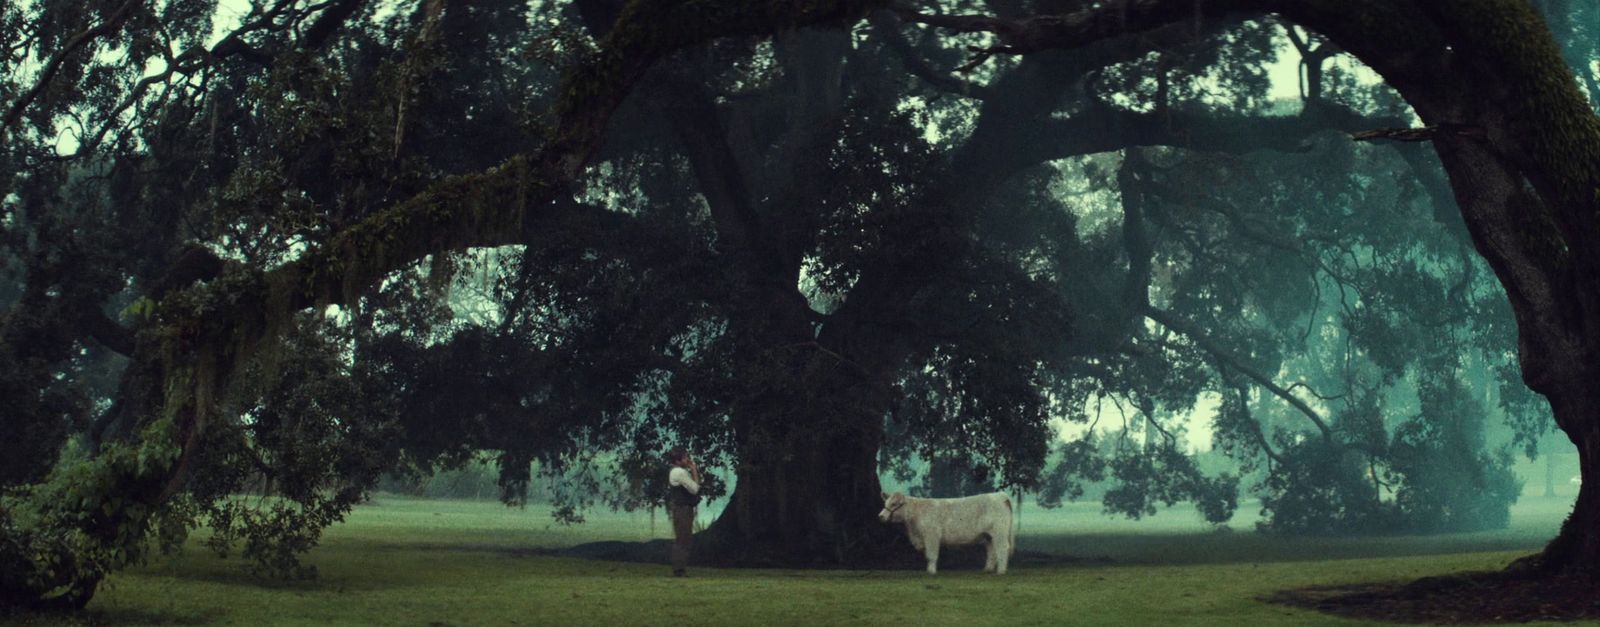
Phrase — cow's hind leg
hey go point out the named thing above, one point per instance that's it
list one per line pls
(1000, 552)
(989, 559)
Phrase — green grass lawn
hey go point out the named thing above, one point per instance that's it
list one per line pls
(416, 562)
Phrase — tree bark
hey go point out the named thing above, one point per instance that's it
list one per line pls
(1576, 548)
(808, 490)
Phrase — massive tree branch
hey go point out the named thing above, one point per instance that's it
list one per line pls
(108, 333)
(332, 18)
(1423, 134)
(1103, 129)
(886, 27)
(1554, 131)
(1019, 127)
(1072, 30)
(1395, 38)
(1029, 95)
(489, 208)
(698, 127)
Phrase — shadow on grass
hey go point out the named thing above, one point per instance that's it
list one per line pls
(950, 558)
(488, 548)
(1479, 597)
(1065, 548)
(1251, 547)
(1096, 548)
(131, 616)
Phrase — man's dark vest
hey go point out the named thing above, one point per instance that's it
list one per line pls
(680, 496)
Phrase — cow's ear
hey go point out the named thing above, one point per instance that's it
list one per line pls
(885, 495)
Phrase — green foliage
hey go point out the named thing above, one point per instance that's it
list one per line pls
(1323, 488)
(86, 519)
(1160, 473)
(948, 477)
(273, 535)
(478, 478)
(986, 323)
(1433, 476)
(1448, 482)
(306, 444)
(1077, 462)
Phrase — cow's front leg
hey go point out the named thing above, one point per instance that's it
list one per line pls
(930, 550)
(1001, 549)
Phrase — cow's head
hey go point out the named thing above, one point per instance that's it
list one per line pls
(891, 507)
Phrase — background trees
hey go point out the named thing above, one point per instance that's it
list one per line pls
(347, 238)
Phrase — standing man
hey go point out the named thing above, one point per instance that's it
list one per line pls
(683, 494)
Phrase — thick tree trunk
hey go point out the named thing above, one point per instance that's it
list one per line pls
(807, 493)
(1525, 179)
(1576, 549)
(807, 489)
(1555, 305)
(808, 440)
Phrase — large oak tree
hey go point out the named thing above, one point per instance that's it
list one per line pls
(814, 377)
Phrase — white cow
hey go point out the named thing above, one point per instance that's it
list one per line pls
(931, 523)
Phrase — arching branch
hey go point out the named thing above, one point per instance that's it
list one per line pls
(886, 27)
(1227, 357)
(1071, 30)
(1255, 429)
